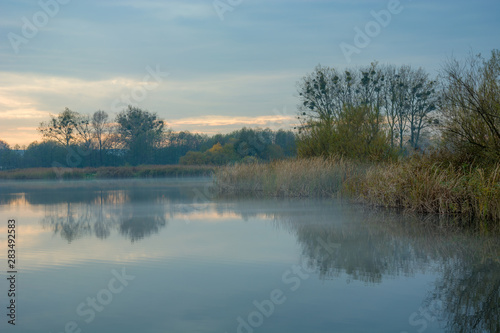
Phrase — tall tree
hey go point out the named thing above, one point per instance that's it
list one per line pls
(60, 128)
(422, 100)
(471, 107)
(68, 127)
(101, 131)
(393, 101)
(141, 132)
(409, 98)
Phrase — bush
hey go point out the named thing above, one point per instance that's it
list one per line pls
(355, 135)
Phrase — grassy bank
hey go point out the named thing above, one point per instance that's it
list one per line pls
(287, 178)
(419, 184)
(149, 171)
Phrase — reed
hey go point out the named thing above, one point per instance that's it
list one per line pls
(314, 177)
(148, 171)
(419, 184)
(426, 186)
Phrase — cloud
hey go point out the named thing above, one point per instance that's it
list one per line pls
(216, 123)
(208, 104)
(22, 114)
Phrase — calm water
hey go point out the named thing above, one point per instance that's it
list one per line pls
(165, 256)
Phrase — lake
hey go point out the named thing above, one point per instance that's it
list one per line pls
(167, 256)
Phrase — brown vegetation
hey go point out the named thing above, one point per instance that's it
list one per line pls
(420, 184)
(149, 171)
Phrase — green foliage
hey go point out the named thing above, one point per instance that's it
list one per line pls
(354, 134)
(141, 132)
(259, 144)
(396, 101)
(45, 154)
(9, 159)
(217, 155)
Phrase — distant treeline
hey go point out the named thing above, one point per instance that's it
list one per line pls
(138, 137)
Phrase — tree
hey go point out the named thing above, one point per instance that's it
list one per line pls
(396, 106)
(287, 141)
(67, 128)
(471, 107)
(322, 93)
(140, 132)
(44, 154)
(422, 100)
(409, 98)
(101, 131)
(253, 142)
(8, 158)
(341, 113)
(354, 135)
(4, 145)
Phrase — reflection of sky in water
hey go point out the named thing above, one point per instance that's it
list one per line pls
(200, 263)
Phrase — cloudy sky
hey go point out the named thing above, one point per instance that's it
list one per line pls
(212, 66)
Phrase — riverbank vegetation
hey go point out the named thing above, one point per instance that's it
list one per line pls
(422, 184)
(361, 136)
(143, 171)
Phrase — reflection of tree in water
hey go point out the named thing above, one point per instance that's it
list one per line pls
(369, 245)
(338, 239)
(134, 213)
(102, 227)
(470, 293)
(10, 198)
(360, 252)
(68, 220)
(141, 220)
(364, 244)
(138, 227)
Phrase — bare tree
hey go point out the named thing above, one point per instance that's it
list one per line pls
(471, 106)
(101, 131)
(422, 100)
(69, 127)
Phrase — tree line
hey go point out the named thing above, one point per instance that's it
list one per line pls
(137, 136)
(379, 112)
(370, 113)
(367, 112)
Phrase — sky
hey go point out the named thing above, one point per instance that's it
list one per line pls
(212, 66)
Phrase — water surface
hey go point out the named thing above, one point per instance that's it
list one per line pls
(166, 256)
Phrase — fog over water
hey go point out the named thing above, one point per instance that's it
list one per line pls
(168, 256)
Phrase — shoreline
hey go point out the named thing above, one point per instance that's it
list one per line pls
(419, 185)
(121, 172)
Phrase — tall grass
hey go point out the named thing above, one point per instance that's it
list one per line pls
(315, 177)
(420, 184)
(426, 186)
